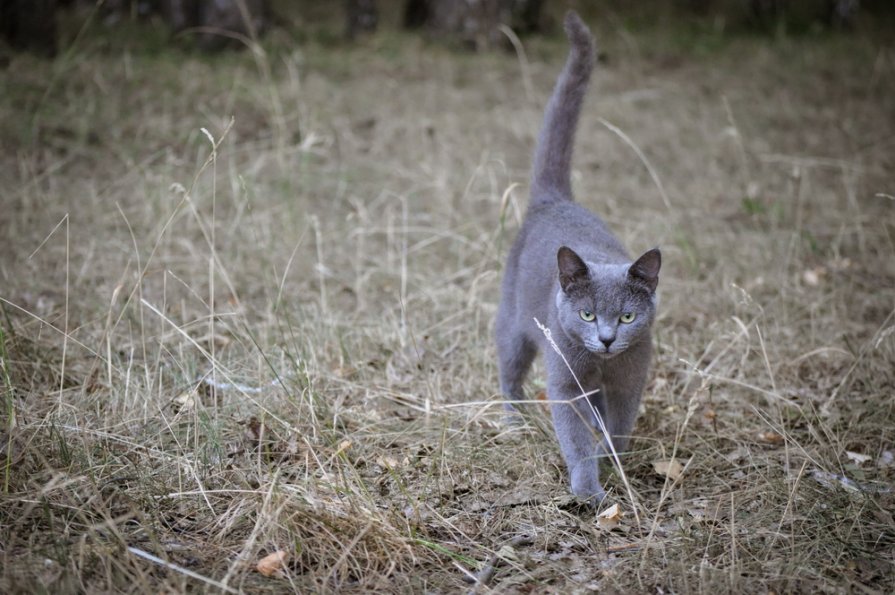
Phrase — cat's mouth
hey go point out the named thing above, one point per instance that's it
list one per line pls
(600, 349)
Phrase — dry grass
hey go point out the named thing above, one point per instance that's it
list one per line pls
(276, 335)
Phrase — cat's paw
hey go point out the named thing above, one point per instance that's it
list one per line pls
(586, 483)
(512, 417)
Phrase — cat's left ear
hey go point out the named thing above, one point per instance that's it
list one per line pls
(646, 268)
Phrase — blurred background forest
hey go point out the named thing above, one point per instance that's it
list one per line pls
(33, 23)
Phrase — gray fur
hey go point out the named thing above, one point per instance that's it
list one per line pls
(566, 260)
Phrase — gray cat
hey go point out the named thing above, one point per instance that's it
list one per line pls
(567, 270)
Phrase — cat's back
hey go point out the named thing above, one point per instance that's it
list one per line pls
(530, 278)
(567, 223)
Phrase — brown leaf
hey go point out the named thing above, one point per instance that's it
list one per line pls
(272, 563)
(670, 468)
(345, 371)
(610, 518)
(815, 276)
(771, 437)
(811, 277)
(254, 430)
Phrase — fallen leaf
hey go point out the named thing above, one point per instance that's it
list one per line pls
(345, 371)
(771, 437)
(811, 277)
(391, 462)
(858, 458)
(508, 554)
(610, 518)
(387, 462)
(671, 468)
(185, 401)
(272, 563)
(254, 430)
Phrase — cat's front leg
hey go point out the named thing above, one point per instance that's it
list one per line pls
(624, 379)
(573, 421)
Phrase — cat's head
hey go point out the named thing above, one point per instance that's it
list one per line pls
(607, 307)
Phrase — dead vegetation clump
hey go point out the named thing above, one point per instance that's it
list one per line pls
(246, 308)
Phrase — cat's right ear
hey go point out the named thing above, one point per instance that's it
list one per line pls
(572, 269)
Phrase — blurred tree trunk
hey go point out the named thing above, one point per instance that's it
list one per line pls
(360, 17)
(778, 15)
(29, 24)
(216, 20)
(526, 15)
(473, 22)
(180, 14)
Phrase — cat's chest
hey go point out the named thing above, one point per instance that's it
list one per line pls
(578, 366)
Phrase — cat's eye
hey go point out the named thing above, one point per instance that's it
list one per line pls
(627, 317)
(587, 315)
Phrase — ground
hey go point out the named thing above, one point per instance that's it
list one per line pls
(247, 302)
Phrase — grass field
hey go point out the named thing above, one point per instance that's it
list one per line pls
(246, 304)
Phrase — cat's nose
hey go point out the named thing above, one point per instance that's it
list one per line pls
(607, 341)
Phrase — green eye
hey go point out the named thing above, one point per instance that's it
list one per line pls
(627, 317)
(587, 315)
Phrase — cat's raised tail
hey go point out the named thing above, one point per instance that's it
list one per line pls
(551, 170)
